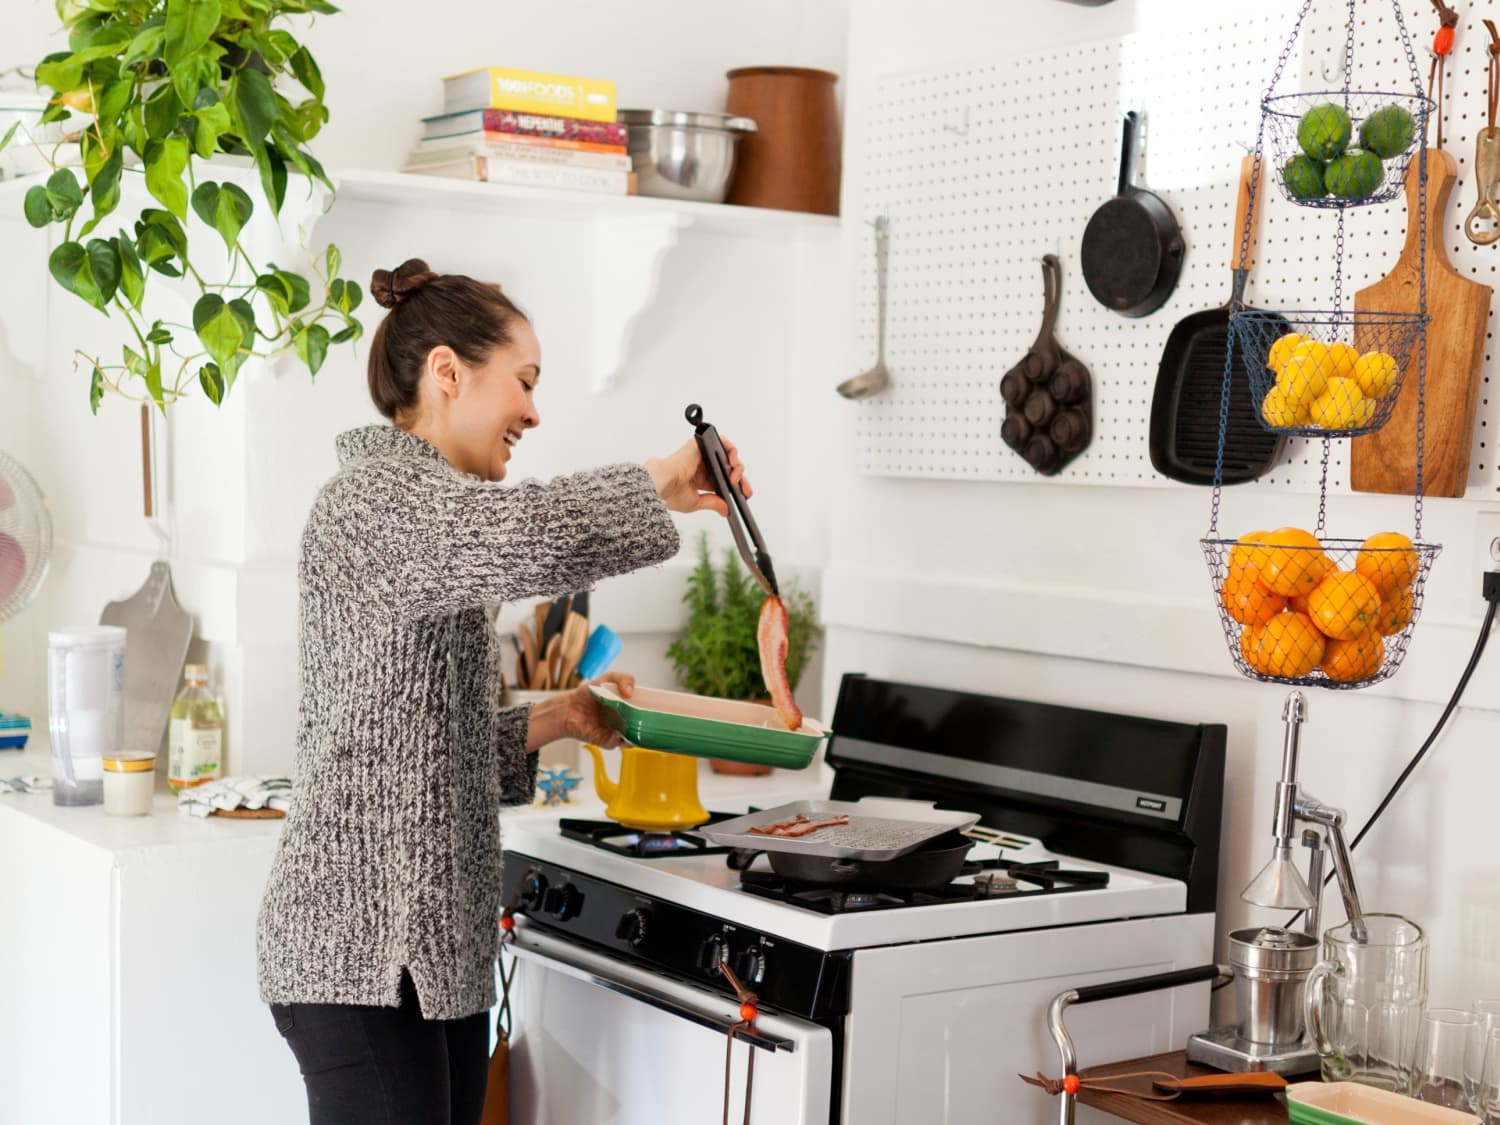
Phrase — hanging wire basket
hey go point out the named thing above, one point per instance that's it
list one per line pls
(1332, 613)
(1343, 148)
(1326, 374)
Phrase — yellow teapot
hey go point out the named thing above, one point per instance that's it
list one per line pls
(656, 792)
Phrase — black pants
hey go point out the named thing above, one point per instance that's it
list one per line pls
(387, 1066)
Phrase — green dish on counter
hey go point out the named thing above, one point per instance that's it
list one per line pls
(1349, 1103)
(680, 723)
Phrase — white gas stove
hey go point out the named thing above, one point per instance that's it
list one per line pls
(876, 1006)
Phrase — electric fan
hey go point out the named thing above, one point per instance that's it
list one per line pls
(25, 549)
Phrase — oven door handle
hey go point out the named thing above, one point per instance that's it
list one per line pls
(532, 945)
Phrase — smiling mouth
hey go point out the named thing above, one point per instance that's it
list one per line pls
(511, 440)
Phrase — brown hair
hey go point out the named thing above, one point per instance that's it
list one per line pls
(428, 310)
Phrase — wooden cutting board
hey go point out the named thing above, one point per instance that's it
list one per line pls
(1386, 461)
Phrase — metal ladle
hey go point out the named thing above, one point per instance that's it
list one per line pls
(877, 378)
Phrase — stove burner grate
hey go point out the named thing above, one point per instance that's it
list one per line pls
(992, 879)
(613, 836)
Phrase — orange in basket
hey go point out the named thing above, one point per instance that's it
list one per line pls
(1344, 605)
(1287, 646)
(1387, 559)
(1350, 661)
(1294, 562)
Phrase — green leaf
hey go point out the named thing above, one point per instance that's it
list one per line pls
(233, 212)
(63, 187)
(205, 201)
(189, 25)
(132, 275)
(212, 381)
(191, 75)
(9, 133)
(312, 347)
(105, 189)
(245, 314)
(332, 260)
(350, 331)
(147, 44)
(251, 94)
(301, 292)
(218, 328)
(272, 177)
(165, 163)
(135, 363)
(90, 272)
(96, 390)
(353, 295)
(60, 70)
(305, 67)
(161, 113)
(213, 121)
(114, 98)
(158, 334)
(153, 383)
(38, 206)
(278, 292)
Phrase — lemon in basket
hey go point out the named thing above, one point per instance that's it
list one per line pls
(1341, 360)
(1341, 406)
(1388, 132)
(1376, 373)
(1282, 349)
(1323, 131)
(1278, 410)
(1302, 380)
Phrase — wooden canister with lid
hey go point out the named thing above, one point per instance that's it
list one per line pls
(792, 160)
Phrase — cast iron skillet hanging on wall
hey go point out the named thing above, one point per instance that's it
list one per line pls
(1132, 247)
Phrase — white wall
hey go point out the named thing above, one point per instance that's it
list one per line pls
(736, 324)
(1098, 596)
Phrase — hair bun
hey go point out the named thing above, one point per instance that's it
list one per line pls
(391, 287)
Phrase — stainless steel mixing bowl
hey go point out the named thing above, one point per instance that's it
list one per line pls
(681, 155)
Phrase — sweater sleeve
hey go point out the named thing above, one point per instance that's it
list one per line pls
(517, 767)
(426, 540)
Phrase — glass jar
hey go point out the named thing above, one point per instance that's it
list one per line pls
(129, 779)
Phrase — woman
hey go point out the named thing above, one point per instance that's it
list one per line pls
(378, 932)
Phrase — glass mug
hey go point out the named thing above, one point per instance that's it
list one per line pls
(1364, 1003)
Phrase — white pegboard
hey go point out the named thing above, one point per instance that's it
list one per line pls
(983, 167)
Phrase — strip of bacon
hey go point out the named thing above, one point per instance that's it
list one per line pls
(799, 825)
(814, 825)
(770, 637)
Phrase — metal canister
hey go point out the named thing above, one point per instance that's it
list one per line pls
(1270, 974)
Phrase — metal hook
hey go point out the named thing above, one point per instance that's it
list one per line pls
(882, 219)
(1335, 78)
(959, 130)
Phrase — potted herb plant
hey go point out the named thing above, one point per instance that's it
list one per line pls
(163, 87)
(717, 654)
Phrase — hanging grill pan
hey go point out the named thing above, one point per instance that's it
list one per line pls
(1132, 247)
(1184, 441)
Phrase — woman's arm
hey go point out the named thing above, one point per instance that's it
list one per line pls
(426, 540)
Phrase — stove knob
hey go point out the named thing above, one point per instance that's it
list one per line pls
(564, 902)
(710, 953)
(533, 890)
(632, 927)
(749, 965)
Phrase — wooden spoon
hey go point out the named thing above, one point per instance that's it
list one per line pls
(1224, 1085)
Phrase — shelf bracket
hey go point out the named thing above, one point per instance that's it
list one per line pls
(628, 255)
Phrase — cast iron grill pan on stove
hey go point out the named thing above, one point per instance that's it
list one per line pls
(878, 828)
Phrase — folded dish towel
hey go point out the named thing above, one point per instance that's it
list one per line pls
(238, 796)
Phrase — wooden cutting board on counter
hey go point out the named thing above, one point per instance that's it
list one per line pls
(1386, 461)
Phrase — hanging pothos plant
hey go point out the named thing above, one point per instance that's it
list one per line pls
(165, 86)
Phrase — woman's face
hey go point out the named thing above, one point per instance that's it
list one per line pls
(495, 404)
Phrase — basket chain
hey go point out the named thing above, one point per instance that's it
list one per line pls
(1323, 488)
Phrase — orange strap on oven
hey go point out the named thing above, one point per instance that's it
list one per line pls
(749, 1009)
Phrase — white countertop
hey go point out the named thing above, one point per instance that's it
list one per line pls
(168, 828)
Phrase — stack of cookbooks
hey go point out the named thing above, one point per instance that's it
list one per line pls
(521, 127)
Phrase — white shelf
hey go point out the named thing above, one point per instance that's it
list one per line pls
(439, 191)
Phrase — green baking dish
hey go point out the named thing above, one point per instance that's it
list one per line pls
(1349, 1103)
(680, 723)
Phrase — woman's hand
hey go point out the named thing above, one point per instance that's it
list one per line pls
(685, 484)
(577, 714)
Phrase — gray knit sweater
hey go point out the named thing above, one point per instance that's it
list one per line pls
(390, 854)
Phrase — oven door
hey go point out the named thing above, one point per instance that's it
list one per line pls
(597, 1040)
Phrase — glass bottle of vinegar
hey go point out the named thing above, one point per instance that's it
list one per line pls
(196, 739)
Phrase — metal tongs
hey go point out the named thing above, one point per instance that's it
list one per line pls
(717, 460)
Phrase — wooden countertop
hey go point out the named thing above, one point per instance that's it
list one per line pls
(1181, 1111)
